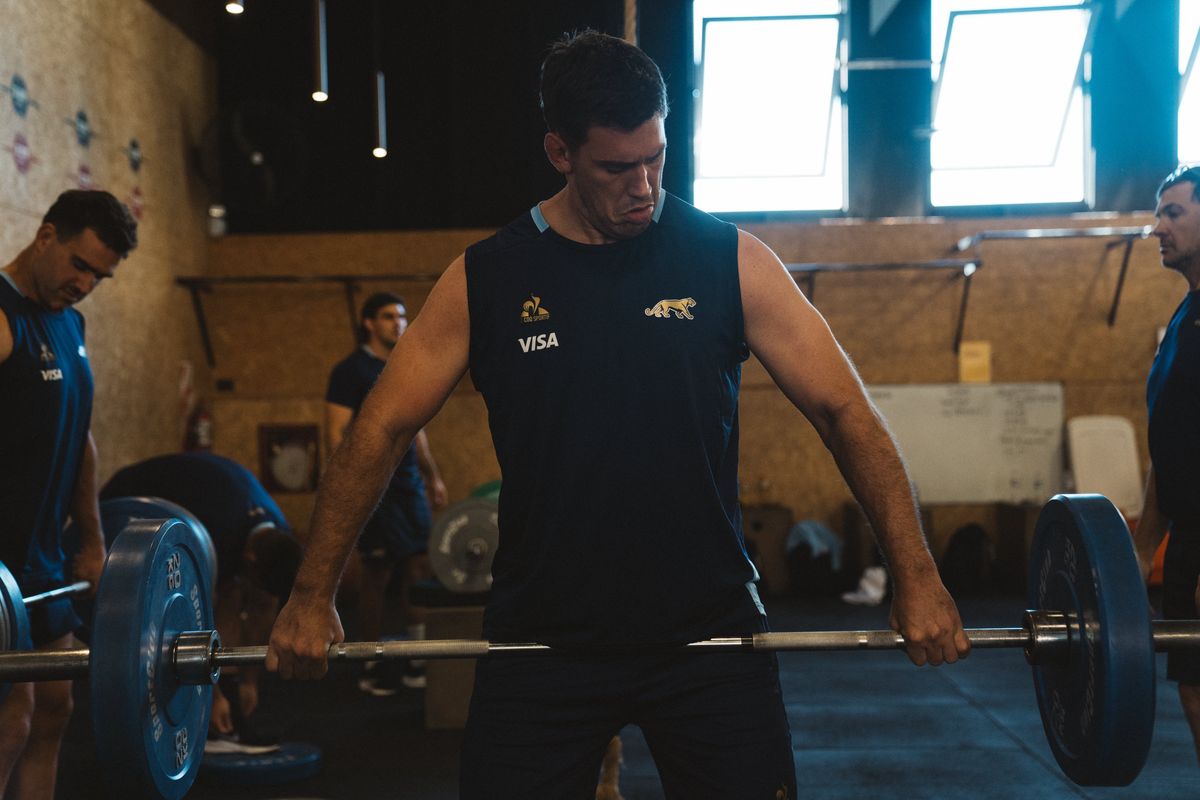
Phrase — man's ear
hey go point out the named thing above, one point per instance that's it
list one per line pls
(46, 233)
(558, 153)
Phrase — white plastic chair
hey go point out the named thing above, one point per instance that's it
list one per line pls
(1104, 459)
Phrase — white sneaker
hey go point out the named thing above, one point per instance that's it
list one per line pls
(224, 745)
(871, 588)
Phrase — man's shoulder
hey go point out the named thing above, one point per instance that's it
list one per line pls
(678, 213)
(521, 231)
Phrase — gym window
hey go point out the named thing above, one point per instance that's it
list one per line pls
(770, 129)
(1189, 85)
(1010, 117)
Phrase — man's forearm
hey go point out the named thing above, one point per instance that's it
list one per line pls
(353, 482)
(85, 505)
(870, 462)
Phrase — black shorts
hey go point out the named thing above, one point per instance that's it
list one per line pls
(1181, 568)
(715, 724)
(399, 528)
(53, 619)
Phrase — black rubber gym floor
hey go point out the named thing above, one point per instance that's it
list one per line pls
(863, 725)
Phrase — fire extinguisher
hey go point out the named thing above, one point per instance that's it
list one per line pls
(199, 434)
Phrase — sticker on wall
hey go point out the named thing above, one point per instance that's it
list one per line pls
(84, 133)
(22, 153)
(133, 151)
(136, 202)
(18, 92)
(83, 177)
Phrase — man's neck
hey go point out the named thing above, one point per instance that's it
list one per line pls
(21, 272)
(566, 216)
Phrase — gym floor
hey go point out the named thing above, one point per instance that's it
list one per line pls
(863, 725)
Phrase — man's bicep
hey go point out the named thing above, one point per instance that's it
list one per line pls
(6, 338)
(789, 336)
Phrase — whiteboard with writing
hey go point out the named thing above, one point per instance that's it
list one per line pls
(978, 443)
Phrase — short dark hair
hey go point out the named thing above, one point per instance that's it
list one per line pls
(276, 560)
(1184, 173)
(591, 78)
(77, 209)
(371, 306)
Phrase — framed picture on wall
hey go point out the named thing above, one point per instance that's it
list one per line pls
(287, 457)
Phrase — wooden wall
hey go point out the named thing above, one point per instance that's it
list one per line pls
(135, 76)
(1042, 305)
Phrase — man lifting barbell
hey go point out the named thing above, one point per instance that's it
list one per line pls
(48, 464)
(617, 436)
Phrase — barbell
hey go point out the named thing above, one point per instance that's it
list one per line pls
(1089, 639)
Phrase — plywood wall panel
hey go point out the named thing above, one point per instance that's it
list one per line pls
(1042, 305)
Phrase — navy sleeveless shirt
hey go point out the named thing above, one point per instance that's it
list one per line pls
(1173, 399)
(611, 375)
(45, 415)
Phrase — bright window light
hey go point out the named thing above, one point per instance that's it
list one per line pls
(769, 131)
(1189, 94)
(1009, 117)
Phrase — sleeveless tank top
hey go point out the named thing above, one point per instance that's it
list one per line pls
(611, 374)
(45, 415)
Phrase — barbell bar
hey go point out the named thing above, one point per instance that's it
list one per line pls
(197, 656)
(70, 590)
(155, 653)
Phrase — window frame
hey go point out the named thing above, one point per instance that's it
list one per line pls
(1082, 82)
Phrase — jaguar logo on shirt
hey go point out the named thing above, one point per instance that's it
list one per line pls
(665, 308)
(532, 311)
(47, 355)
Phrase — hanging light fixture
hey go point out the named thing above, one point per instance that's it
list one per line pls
(320, 92)
(235, 6)
(380, 150)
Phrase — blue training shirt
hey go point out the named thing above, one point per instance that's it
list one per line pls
(611, 376)
(225, 496)
(45, 414)
(1173, 400)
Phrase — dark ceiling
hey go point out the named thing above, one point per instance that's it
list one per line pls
(464, 129)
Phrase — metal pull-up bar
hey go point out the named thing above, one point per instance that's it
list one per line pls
(199, 285)
(1126, 236)
(965, 267)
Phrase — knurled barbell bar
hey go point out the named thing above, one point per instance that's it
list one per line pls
(155, 654)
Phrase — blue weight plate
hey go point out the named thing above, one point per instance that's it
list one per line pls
(149, 728)
(1098, 707)
(293, 761)
(115, 514)
(14, 622)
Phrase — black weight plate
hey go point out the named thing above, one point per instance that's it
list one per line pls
(293, 761)
(1098, 707)
(463, 543)
(149, 728)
